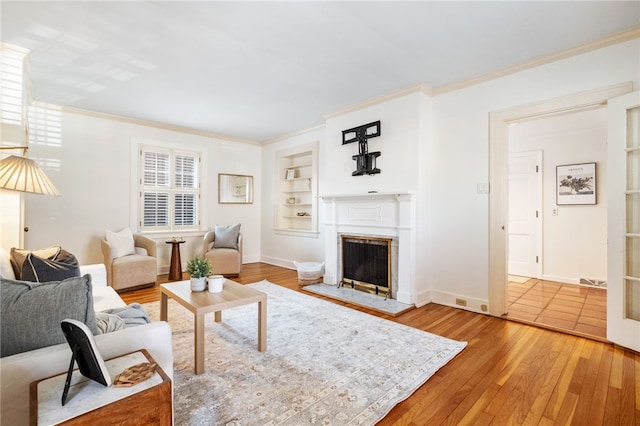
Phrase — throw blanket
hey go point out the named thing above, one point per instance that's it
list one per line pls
(133, 314)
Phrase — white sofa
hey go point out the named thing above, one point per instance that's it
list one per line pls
(19, 370)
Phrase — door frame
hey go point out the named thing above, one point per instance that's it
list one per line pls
(621, 330)
(498, 163)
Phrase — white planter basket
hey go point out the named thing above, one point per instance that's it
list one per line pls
(309, 272)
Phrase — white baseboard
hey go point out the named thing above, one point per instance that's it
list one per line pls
(449, 299)
(560, 279)
(250, 259)
(277, 262)
(423, 298)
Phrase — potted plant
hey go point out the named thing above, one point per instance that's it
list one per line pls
(198, 269)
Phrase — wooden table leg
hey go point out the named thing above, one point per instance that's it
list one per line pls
(217, 315)
(262, 325)
(199, 343)
(163, 307)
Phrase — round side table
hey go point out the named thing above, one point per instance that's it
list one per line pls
(175, 267)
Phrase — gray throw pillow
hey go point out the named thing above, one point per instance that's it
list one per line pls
(18, 256)
(31, 313)
(64, 265)
(226, 236)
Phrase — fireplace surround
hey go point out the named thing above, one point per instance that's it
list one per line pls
(377, 215)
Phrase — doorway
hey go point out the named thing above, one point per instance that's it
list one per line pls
(498, 197)
(562, 286)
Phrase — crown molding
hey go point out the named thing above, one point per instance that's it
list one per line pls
(291, 135)
(620, 37)
(416, 88)
(140, 122)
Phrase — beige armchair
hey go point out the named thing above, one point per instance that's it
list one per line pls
(132, 270)
(225, 261)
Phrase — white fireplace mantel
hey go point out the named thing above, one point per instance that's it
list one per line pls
(388, 214)
(366, 195)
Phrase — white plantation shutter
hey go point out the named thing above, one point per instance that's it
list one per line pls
(186, 171)
(156, 209)
(170, 189)
(11, 89)
(156, 169)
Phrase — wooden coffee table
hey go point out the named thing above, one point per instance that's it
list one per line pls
(203, 302)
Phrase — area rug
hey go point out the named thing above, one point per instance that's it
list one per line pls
(346, 294)
(325, 364)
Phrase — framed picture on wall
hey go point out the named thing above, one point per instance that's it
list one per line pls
(576, 184)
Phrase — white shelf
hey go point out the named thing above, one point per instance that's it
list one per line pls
(297, 166)
(302, 162)
(299, 178)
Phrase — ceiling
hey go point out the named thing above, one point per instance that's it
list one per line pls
(260, 70)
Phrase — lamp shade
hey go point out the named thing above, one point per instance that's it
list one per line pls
(23, 174)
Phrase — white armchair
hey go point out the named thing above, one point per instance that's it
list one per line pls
(132, 270)
(226, 259)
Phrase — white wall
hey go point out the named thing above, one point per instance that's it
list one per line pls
(398, 144)
(459, 215)
(574, 240)
(89, 160)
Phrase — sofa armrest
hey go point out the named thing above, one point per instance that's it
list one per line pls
(207, 242)
(98, 274)
(146, 243)
(18, 371)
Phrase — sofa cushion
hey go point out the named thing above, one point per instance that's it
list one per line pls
(226, 236)
(132, 271)
(121, 243)
(30, 313)
(18, 256)
(62, 266)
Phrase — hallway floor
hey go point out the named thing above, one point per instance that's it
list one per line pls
(576, 308)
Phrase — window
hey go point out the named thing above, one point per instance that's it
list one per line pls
(169, 189)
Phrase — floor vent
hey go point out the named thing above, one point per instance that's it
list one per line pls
(593, 282)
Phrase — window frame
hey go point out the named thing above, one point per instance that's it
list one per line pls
(138, 189)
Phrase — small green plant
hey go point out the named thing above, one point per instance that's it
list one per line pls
(198, 267)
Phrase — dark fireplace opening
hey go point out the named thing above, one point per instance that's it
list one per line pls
(366, 264)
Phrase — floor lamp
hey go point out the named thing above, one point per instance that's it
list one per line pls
(19, 173)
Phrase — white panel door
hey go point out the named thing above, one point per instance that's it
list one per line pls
(623, 221)
(525, 206)
(11, 225)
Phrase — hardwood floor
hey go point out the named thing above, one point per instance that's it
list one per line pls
(510, 373)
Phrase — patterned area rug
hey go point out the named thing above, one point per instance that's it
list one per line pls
(325, 364)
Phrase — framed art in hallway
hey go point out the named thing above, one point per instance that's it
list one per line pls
(576, 184)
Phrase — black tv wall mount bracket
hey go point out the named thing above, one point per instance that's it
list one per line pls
(365, 160)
